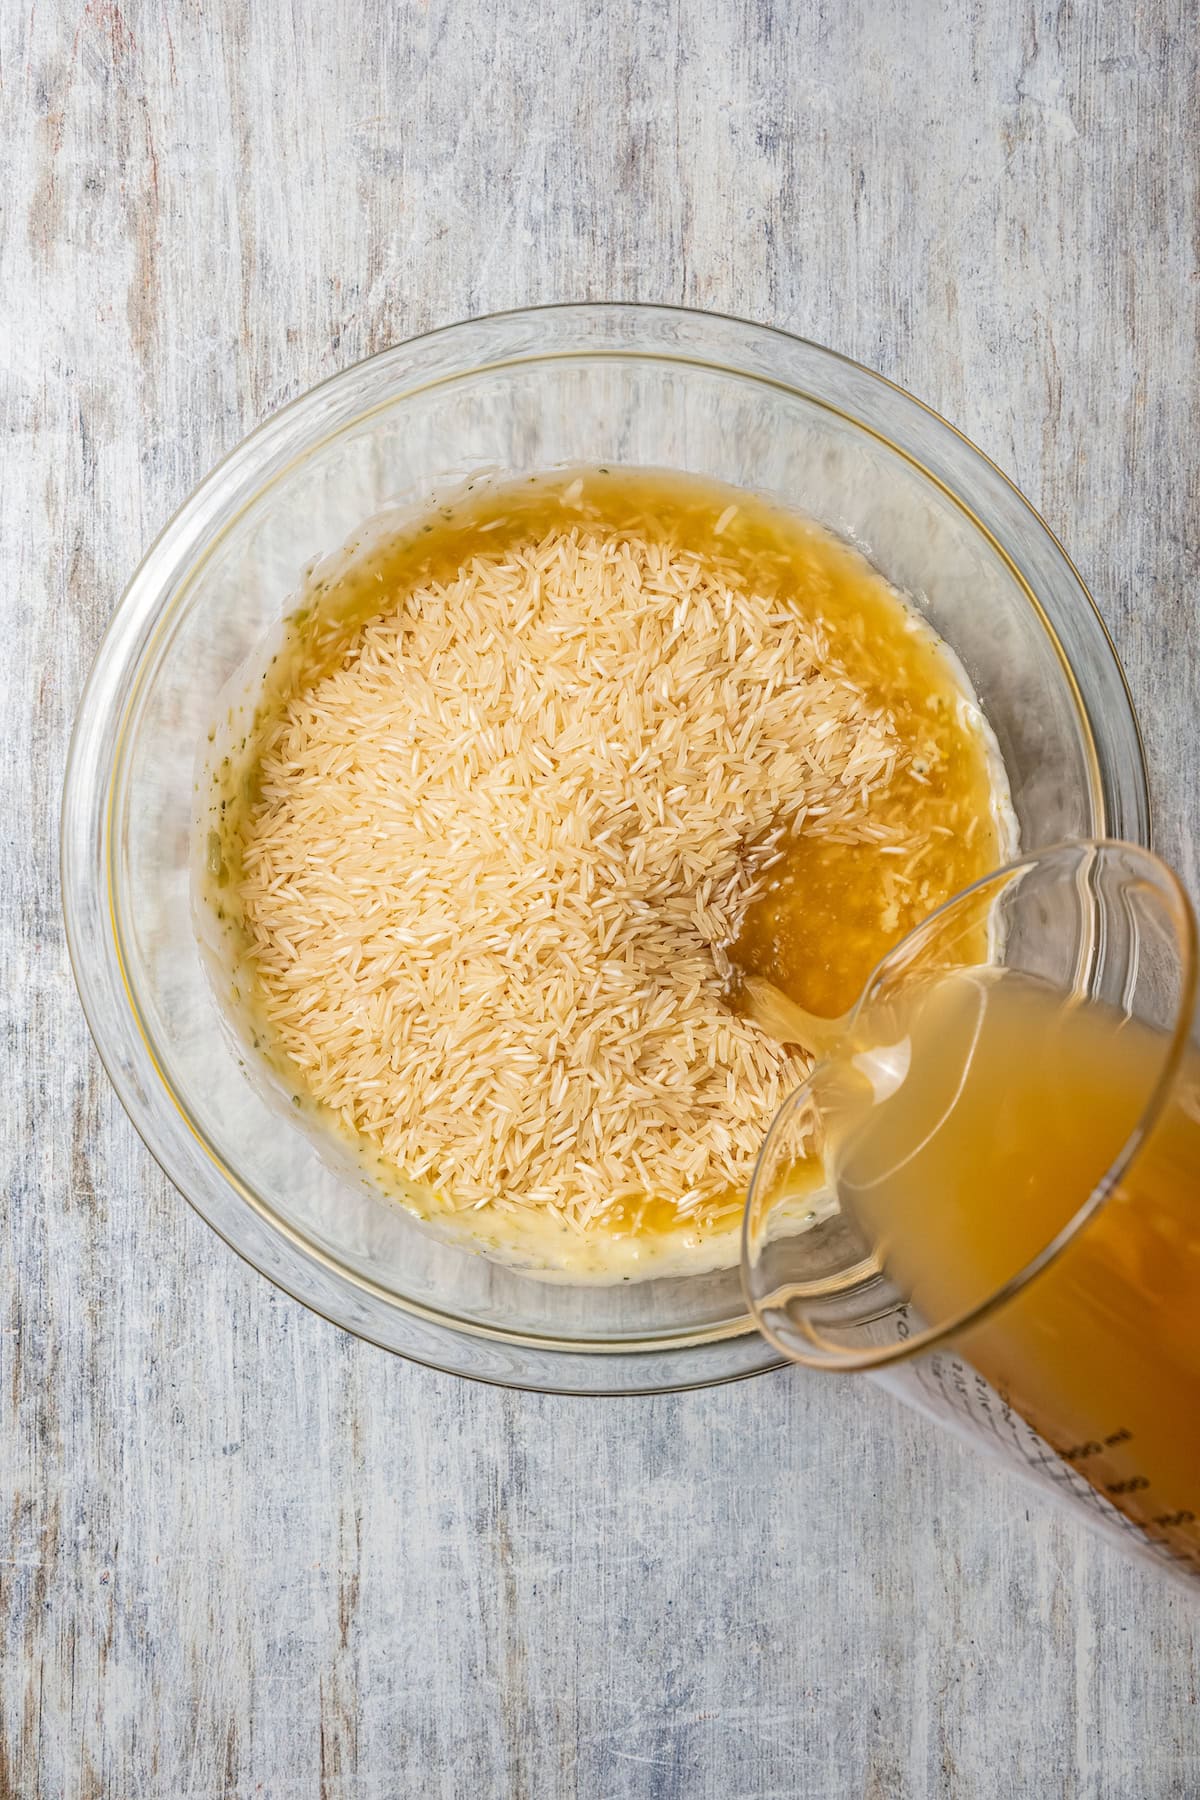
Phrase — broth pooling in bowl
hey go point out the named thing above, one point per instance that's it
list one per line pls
(529, 781)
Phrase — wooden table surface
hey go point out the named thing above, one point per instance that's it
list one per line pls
(243, 1554)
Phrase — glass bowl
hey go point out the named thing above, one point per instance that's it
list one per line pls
(526, 391)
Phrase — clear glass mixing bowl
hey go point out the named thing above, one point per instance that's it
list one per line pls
(649, 386)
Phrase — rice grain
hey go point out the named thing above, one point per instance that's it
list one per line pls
(499, 848)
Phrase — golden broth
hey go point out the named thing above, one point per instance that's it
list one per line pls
(828, 909)
(1016, 1108)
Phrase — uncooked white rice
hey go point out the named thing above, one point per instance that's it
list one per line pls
(500, 847)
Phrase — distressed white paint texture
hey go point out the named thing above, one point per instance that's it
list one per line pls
(242, 1554)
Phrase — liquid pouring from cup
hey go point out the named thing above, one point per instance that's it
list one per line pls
(1001, 1221)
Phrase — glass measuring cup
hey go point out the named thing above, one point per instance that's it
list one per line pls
(988, 1193)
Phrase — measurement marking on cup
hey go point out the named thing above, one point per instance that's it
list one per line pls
(1097, 1446)
(955, 1388)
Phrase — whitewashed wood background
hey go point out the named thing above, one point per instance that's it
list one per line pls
(242, 1554)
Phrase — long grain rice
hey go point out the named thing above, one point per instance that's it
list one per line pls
(500, 848)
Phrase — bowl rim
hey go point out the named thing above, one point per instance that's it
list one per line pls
(151, 600)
